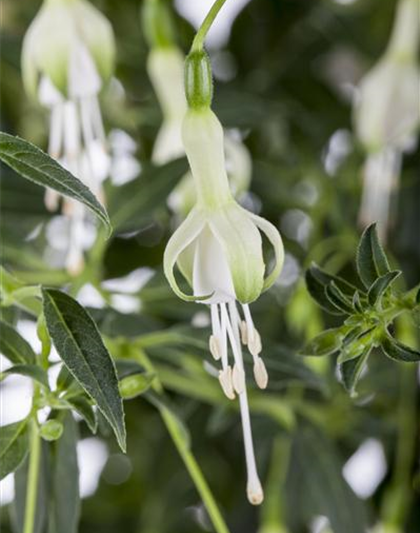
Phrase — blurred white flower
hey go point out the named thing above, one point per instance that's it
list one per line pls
(68, 54)
(387, 114)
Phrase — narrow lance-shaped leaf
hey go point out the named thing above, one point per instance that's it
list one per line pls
(351, 371)
(338, 299)
(35, 165)
(13, 446)
(80, 346)
(325, 343)
(65, 504)
(381, 285)
(398, 351)
(30, 371)
(371, 260)
(14, 347)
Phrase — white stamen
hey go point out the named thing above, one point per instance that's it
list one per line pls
(214, 347)
(260, 373)
(244, 332)
(252, 336)
(225, 379)
(219, 331)
(238, 379)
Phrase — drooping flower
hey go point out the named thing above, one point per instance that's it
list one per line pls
(165, 66)
(218, 249)
(387, 113)
(67, 56)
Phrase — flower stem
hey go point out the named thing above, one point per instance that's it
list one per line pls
(32, 488)
(195, 472)
(198, 41)
(184, 451)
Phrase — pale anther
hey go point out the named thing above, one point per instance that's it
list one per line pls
(225, 379)
(260, 373)
(214, 346)
(238, 379)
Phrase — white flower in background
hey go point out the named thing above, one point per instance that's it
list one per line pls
(68, 54)
(218, 249)
(166, 71)
(387, 112)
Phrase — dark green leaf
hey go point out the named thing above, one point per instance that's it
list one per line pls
(84, 408)
(351, 371)
(357, 304)
(371, 260)
(320, 486)
(14, 347)
(326, 279)
(80, 346)
(132, 205)
(325, 343)
(317, 290)
(65, 505)
(31, 371)
(35, 165)
(355, 347)
(399, 352)
(338, 299)
(13, 446)
(381, 285)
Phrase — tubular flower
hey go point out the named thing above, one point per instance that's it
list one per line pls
(165, 67)
(387, 106)
(65, 67)
(387, 114)
(218, 249)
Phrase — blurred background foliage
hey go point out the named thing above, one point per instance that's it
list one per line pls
(284, 79)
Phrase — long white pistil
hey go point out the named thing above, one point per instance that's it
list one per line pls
(254, 489)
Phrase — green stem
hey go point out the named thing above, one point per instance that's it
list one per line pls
(198, 41)
(184, 450)
(195, 472)
(32, 488)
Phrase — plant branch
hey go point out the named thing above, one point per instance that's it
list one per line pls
(198, 41)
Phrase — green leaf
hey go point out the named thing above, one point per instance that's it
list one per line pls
(316, 289)
(338, 299)
(30, 371)
(132, 206)
(14, 347)
(398, 351)
(65, 504)
(13, 446)
(356, 302)
(80, 346)
(353, 348)
(381, 285)
(320, 488)
(371, 260)
(351, 371)
(35, 165)
(326, 343)
(84, 408)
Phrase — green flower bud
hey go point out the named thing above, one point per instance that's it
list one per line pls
(51, 430)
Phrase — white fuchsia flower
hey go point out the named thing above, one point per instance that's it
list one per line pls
(387, 103)
(218, 249)
(387, 114)
(68, 54)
